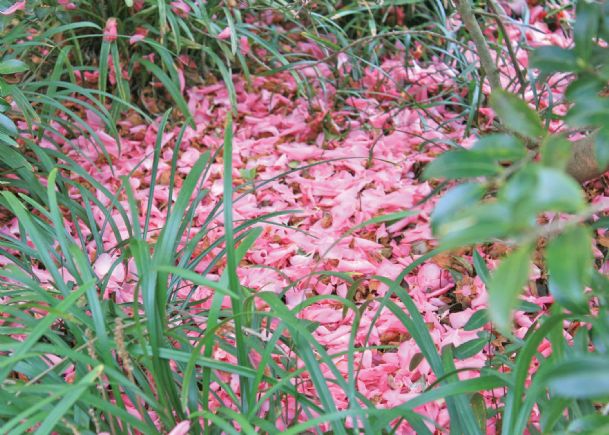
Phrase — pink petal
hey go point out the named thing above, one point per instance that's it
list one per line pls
(244, 46)
(429, 277)
(110, 31)
(102, 265)
(181, 428)
(225, 34)
(19, 6)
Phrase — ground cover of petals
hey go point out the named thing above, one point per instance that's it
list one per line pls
(362, 158)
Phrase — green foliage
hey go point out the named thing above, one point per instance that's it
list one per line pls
(526, 200)
(516, 114)
(505, 286)
(159, 359)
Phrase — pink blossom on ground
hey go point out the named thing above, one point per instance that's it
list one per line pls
(180, 8)
(140, 34)
(110, 30)
(67, 4)
(366, 172)
(244, 45)
(225, 33)
(17, 6)
(181, 428)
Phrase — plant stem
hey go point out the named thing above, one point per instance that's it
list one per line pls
(486, 60)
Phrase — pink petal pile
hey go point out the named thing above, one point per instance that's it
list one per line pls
(372, 147)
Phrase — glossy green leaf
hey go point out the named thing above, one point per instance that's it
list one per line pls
(477, 320)
(480, 223)
(472, 347)
(585, 28)
(461, 164)
(593, 113)
(454, 200)
(505, 286)
(12, 66)
(480, 267)
(7, 125)
(4, 105)
(516, 114)
(556, 191)
(556, 152)
(581, 377)
(502, 147)
(527, 307)
(569, 260)
(539, 188)
(584, 87)
(601, 147)
(551, 59)
(589, 423)
(417, 358)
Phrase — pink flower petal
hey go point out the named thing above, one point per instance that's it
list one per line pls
(18, 6)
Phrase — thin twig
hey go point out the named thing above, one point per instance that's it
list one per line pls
(500, 16)
(486, 60)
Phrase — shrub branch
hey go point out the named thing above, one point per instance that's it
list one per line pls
(583, 165)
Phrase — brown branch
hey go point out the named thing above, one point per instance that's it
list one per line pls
(486, 60)
(583, 165)
(500, 15)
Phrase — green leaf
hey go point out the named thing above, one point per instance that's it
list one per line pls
(584, 87)
(501, 147)
(539, 188)
(417, 358)
(581, 377)
(478, 320)
(12, 66)
(454, 200)
(556, 191)
(600, 284)
(472, 347)
(585, 28)
(7, 125)
(506, 285)
(172, 88)
(601, 147)
(461, 164)
(589, 423)
(479, 407)
(516, 114)
(556, 152)
(481, 267)
(593, 112)
(478, 224)
(68, 401)
(569, 260)
(551, 59)
(512, 421)
(4, 105)
(527, 307)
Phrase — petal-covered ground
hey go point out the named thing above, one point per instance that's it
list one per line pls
(337, 162)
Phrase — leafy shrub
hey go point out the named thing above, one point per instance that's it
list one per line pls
(533, 205)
